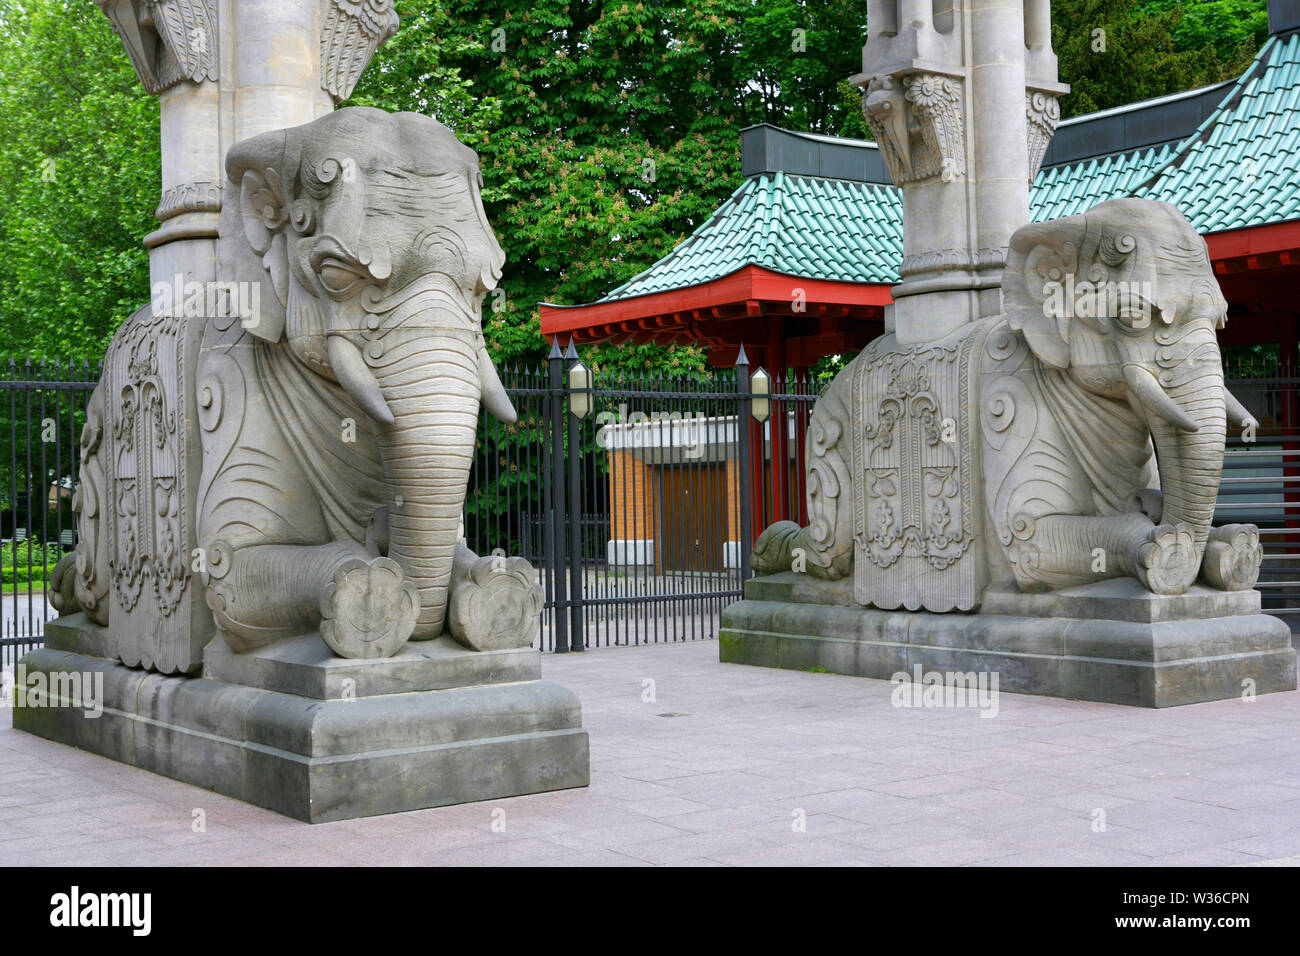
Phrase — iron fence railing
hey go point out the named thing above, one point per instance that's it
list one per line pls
(42, 410)
(639, 514)
(648, 516)
(1261, 484)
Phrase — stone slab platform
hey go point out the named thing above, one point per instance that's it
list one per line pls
(406, 738)
(1109, 642)
(307, 667)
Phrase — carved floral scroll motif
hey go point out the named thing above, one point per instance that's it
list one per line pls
(917, 120)
(917, 519)
(1042, 112)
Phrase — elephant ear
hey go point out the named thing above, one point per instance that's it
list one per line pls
(1034, 284)
(255, 210)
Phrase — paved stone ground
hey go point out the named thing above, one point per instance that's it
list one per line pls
(719, 767)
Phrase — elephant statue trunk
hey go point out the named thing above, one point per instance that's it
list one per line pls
(431, 384)
(1190, 451)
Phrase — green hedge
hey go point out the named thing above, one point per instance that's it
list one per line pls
(20, 566)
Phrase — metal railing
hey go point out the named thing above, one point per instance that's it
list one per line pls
(646, 511)
(1261, 484)
(639, 514)
(42, 411)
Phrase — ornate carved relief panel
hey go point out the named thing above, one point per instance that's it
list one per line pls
(917, 525)
(147, 526)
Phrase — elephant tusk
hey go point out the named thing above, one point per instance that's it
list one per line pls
(493, 393)
(357, 380)
(1153, 399)
(1237, 411)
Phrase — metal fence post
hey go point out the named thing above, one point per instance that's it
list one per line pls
(577, 629)
(556, 554)
(744, 465)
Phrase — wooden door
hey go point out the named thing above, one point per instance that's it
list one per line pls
(693, 517)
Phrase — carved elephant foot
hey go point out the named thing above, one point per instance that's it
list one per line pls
(773, 550)
(1232, 557)
(63, 580)
(369, 609)
(1167, 561)
(784, 546)
(495, 601)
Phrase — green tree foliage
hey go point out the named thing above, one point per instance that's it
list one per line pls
(795, 59)
(1114, 52)
(608, 128)
(1228, 28)
(608, 131)
(79, 173)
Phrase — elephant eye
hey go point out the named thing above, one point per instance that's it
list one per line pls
(337, 276)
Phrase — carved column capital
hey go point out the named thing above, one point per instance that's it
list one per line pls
(168, 41)
(1043, 112)
(917, 120)
(352, 31)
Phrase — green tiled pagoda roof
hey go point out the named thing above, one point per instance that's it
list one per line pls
(795, 225)
(1070, 189)
(1240, 168)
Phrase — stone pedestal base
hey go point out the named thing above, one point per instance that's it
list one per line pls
(1109, 642)
(293, 729)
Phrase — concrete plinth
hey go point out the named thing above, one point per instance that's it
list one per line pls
(295, 730)
(1109, 642)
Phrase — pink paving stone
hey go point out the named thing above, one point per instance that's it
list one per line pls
(723, 783)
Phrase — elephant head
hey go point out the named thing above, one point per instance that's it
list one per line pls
(370, 228)
(1123, 300)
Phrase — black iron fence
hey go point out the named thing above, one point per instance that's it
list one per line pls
(651, 490)
(1261, 472)
(636, 497)
(42, 410)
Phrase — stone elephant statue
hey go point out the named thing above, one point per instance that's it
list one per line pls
(1076, 437)
(339, 423)
(337, 407)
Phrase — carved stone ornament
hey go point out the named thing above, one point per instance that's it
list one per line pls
(947, 260)
(144, 518)
(168, 41)
(189, 197)
(1043, 112)
(917, 121)
(916, 512)
(353, 30)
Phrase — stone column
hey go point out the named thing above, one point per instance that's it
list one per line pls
(962, 103)
(274, 65)
(998, 130)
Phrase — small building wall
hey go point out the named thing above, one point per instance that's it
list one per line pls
(634, 502)
(633, 509)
